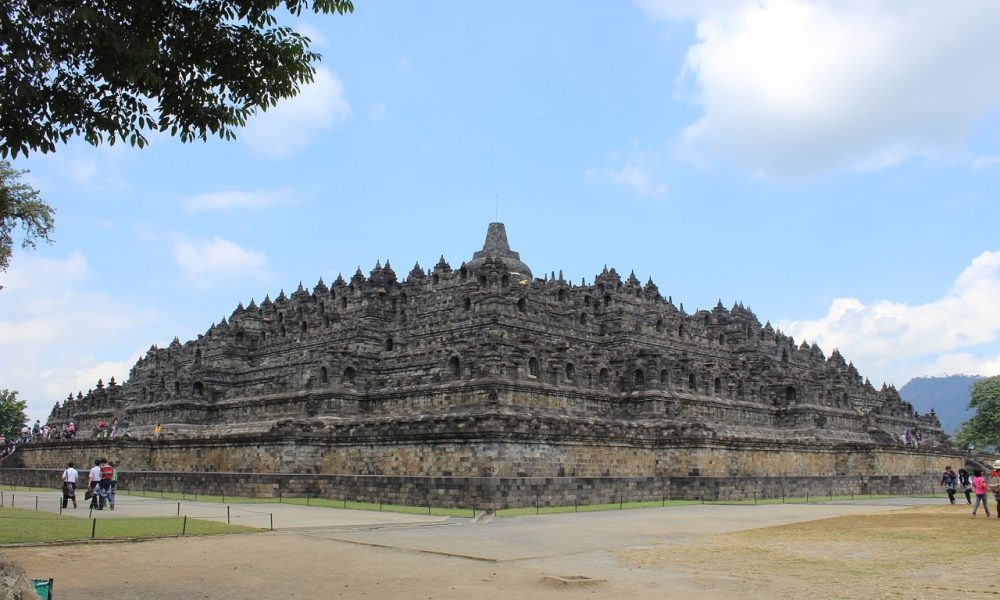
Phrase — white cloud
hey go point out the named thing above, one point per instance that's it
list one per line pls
(316, 37)
(205, 262)
(294, 123)
(232, 200)
(56, 325)
(794, 87)
(638, 178)
(893, 341)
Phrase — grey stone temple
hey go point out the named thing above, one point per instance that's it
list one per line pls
(485, 384)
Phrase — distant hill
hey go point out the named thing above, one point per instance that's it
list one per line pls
(948, 396)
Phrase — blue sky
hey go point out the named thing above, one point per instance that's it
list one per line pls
(833, 166)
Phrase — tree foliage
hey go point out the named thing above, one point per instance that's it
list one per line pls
(108, 70)
(20, 207)
(983, 429)
(12, 416)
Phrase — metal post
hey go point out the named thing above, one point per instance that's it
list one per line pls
(228, 522)
(621, 502)
(93, 528)
(272, 521)
(178, 509)
(184, 527)
(36, 503)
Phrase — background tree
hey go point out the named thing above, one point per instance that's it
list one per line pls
(983, 429)
(12, 416)
(109, 69)
(20, 208)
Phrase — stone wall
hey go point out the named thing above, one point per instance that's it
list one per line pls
(464, 468)
(494, 492)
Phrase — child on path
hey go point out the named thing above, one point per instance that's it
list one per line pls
(949, 480)
(980, 486)
(966, 482)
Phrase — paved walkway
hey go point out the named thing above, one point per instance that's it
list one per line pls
(262, 515)
(337, 553)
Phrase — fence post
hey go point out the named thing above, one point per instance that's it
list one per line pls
(178, 509)
(184, 527)
(228, 522)
(36, 503)
(272, 521)
(93, 528)
(621, 502)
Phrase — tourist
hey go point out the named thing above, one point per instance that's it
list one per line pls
(156, 431)
(966, 484)
(36, 429)
(949, 480)
(93, 481)
(107, 472)
(113, 490)
(981, 488)
(69, 477)
(70, 430)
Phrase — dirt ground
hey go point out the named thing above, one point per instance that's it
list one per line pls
(789, 551)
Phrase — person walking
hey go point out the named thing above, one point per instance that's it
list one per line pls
(112, 492)
(107, 475)
(69, 478)
(949, 480)
(980, 487)
(966, 484)
(93, 482)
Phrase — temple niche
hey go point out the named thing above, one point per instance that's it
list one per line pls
(521, 375)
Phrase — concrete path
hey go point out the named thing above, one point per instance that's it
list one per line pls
(262, 515)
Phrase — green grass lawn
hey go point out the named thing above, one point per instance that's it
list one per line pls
(21, 526)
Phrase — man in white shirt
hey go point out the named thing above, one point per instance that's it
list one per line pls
(70, 477)
(93, 480)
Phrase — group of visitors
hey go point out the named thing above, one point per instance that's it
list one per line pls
(39, 432)
(912, 437)
(976, 484)
(102, 485)
(7, 446)
(112, 430)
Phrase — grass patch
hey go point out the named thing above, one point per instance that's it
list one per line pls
(917, 552)
(23, 526)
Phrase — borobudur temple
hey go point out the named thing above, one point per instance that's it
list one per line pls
(486, 385)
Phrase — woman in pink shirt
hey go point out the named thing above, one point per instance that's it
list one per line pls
(981, 488)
